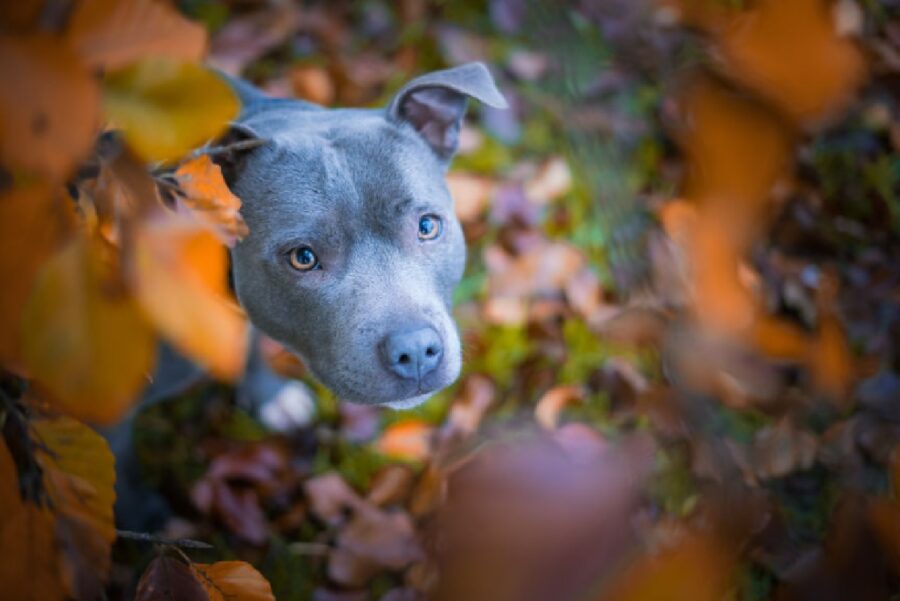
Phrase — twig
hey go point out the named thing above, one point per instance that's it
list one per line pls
(149, 538)
(217, 150)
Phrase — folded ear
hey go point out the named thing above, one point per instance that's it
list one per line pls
(230, 150)
(434, 104)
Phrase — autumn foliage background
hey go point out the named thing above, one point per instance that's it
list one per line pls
(681, 313)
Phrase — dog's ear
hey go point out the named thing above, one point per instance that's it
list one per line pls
(434, 104)
(230, 150)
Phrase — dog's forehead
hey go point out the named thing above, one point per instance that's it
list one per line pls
(326, 162)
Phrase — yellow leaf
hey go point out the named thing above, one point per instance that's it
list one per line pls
(207, 195)
(165, 108)
(180, 279)
(79, 477)
(85, 339)
(408, 439)
(233, 581)
(110, 34)
(29, 566)
(49, 106)
(34, 223)
(553, 402)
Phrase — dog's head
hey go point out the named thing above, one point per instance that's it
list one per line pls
(354, 248)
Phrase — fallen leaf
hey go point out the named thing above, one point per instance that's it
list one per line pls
(49, 106)
(312, 83)
(181, 283)
(35, 222)
(391, 485)
(830, 358)
(31, 572)
(110, 34)
(408, 440)
(232, 581)
(470, 194)
(552, 180)
(330, 496)
(85, 339)
(781, 449)
(387, 539)
(208, 196)
(551, 404)
(167, 579)
(166, 108)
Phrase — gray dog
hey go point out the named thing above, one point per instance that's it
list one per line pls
(354, 249)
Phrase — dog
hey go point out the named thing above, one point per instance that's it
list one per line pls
(354, 249)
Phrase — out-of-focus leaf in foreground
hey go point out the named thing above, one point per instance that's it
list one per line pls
(166, 108)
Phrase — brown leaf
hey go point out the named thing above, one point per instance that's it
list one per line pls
(34, 223)
(312, 83)
(781, 449)
(348, 569)
(85, 339)
(391, 485)
(30, 569)
(207, 195)
(329, 496)
(49, 106)
(233, 581)
(552, 180)
(79, 477)
(180, 276)
(388, 539)
(167, 579)
(109, 34)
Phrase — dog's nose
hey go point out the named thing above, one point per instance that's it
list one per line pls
(414, 354)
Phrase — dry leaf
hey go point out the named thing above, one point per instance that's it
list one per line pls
(470, 194)
(409, 440)
(207, 195)
(551, 404)
(49, 106)
(167, 579)
(180, 280)
(232, 581)
(85, 340)
(166, 108)
(110, 34)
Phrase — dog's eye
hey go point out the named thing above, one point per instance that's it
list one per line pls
(430, 227)
(304, 259)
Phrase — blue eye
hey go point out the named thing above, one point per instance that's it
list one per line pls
(304, 259)
(430, 227)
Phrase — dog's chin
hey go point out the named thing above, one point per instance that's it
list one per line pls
(408, 403)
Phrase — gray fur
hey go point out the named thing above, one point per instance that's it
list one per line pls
(352, 184)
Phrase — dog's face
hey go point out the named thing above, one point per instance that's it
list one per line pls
(354, 248)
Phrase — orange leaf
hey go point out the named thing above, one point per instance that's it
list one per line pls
(232, 581)
(29, 569)
(792, 54)
(207, 195)
(408, 439)
(49, 106)
(34, 222)
(85, 339)
(830, 358)
(180, 279)
(109, 34)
